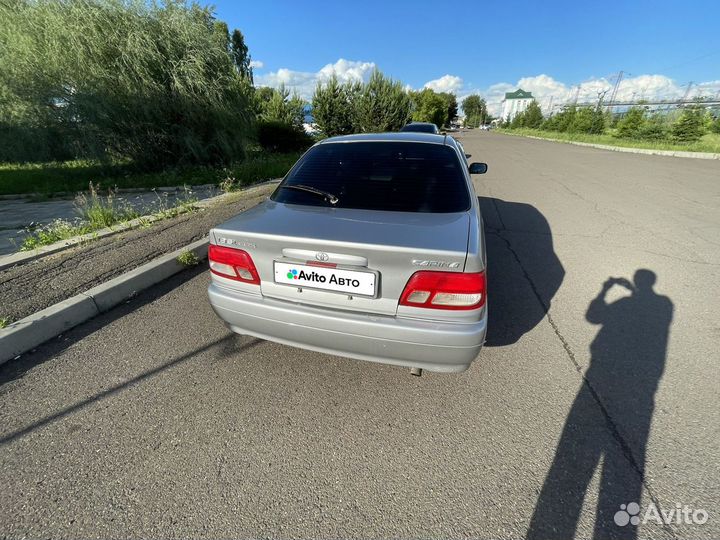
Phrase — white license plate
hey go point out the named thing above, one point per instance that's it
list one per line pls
(326, 279)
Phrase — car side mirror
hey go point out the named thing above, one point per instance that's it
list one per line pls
(478, 168)
(468, 156)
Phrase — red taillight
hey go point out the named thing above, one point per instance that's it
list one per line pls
(444, 290)
(232, 263)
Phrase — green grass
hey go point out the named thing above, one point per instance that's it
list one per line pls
(188, 258)
(97, 212)
(4, 322)
(73, 176)
(710, 142)
(57, 230)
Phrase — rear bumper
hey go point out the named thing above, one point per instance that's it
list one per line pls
(435, 346)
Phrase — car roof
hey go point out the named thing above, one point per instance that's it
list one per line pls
(405, 136)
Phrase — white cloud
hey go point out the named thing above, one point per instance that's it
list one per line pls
(256, 64)
(446, 83)
(551, 93)
(304, 82)
(544, 88)
(347, 71)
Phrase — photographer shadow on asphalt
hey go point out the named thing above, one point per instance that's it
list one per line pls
(609, 422)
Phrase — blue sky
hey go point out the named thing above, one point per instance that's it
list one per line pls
(487, 47)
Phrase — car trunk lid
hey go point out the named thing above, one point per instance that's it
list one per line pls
(389, 245)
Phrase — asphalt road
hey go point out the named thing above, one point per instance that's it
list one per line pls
(154, 421)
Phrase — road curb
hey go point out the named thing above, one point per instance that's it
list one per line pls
(22, 257)
(28, 333)
(647, 151)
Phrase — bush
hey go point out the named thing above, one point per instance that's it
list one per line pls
(518, 121)
(275, 136)
(715, 126)
(690, 126)
(587, 120)
(561, 121)
(276, 105)
(631, 124)
(653, 129)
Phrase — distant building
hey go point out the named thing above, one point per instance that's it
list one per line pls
(515, 103)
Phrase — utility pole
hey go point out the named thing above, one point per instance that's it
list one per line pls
(687, 91)
(577, 93)
(601, 96)
(682, 99)
(615, 89)
(598, 110)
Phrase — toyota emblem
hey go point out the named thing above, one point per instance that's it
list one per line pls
(320, 256)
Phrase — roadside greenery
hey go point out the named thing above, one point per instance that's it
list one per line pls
(429, 107)
(691, 128)
(44, 179)
(381, 104)
(710, 142)
(476, 113)
(126, 93)
(188, 258)
(333, 105)
(96, 211)
(154, 83)
(440, 108)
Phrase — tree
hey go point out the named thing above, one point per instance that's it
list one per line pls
(517, 121)
(690, 126)
(653, 128)
(715, 126)
(562, 120)
(582, 121)
(381, 105)
(533, 116)
(332, 107)
(141, 80)
(276, 105)
(631, 124)
(475, 110)
(429, 107)
(575, 119)
(240, 55)
(452, 106)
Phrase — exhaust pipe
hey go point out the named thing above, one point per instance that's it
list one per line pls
(416, 371)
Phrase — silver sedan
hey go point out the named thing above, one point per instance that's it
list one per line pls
(371, 247)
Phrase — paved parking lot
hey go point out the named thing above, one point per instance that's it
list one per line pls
(154, 421)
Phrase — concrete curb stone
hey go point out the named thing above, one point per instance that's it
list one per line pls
(28, 333)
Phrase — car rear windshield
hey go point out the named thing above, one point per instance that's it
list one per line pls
(392, 176)
(420, 128)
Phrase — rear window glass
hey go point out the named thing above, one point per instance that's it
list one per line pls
(392, 176)
(420, 128)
